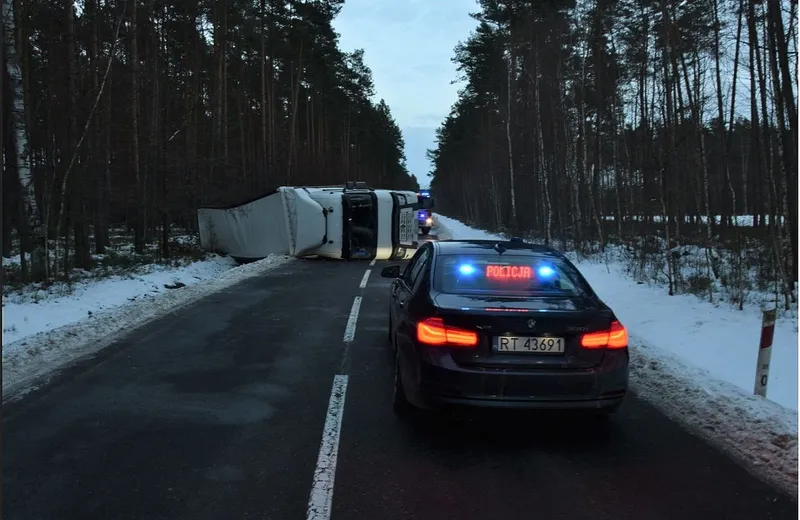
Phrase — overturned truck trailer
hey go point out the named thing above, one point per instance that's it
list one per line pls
(348, 222)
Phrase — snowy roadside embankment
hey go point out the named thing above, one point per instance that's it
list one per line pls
(44, 330)
(697, 362)
(33, 310)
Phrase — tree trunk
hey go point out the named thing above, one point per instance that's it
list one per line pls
(141, 202)
(264, 137)
(271, 94)
(720, 109)
(669, 159)
(732, 114)
(224, 84)
(570, 160)
(295, 105)
(543, 170)
(786, 110)
(162, 144)
(79, 219)
(19, 135)
(104, 187)
(509, 85)
(5, 223)
(755, 126)
(584, 137)
(786, 152)
(101, 205)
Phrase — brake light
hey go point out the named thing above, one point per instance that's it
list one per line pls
(615, 337)
(433, 331)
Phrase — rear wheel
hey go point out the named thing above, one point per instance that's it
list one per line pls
(400, 402)
(426, 230)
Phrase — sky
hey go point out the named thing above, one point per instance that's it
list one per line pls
(408, 45)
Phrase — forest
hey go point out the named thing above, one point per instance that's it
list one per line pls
(122, 117)
(614, 123)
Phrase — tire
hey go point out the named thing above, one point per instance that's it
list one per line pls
(400, 403)
(425, 230)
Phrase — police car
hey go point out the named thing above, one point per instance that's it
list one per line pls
(425, 213)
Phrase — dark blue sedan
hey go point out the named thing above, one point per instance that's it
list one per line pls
(502, 324)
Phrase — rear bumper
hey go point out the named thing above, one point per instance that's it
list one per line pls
(601, 388)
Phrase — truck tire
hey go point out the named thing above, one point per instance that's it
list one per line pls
(425, 230)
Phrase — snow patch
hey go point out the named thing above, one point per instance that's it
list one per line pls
(34, 309)
(59, 331)
(757, 432)
(450, 228)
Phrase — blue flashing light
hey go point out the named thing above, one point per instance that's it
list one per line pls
(466, 269)
(545, 271)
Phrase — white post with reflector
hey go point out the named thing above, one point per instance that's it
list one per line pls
(765, 351)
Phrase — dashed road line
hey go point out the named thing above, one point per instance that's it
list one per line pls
(363, 283)
(350, 329)
(320, 499)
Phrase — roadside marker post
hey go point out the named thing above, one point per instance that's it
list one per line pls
(765, 351)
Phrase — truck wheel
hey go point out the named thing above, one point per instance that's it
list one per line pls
(426, 230)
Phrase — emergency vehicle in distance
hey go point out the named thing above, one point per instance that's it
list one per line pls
(424, 211)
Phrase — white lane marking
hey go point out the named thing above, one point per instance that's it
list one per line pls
(364, 279)
(350, 329)
(321, 497)
(372, 263)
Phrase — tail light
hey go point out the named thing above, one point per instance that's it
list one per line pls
(614, 338)
(433, 331)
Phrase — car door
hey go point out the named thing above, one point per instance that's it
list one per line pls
(402, 295)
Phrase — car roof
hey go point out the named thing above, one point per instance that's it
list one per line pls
(467, 247)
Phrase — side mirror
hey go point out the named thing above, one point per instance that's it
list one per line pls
(391, 271)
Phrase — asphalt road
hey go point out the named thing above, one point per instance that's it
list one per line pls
(250, 404)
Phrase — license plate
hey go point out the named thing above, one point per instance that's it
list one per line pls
(539, 345)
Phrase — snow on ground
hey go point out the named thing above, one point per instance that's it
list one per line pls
(697, 362)
(738, 220)
(31, 311)
(719, 340)
(44, 330)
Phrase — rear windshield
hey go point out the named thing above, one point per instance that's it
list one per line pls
(507, 275)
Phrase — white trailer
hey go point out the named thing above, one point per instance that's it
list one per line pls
(348, 222)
